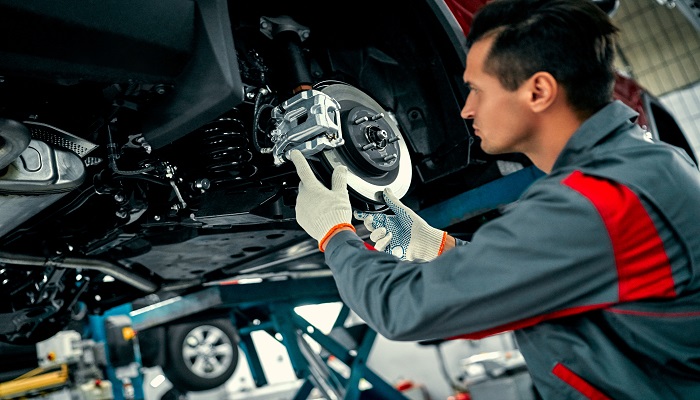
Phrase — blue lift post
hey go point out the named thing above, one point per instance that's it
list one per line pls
(122, 389)
(484, 198)
(280, 297)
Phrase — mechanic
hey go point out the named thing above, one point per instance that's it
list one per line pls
(596, 269)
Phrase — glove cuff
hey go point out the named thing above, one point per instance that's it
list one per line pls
(331, 232)
(431, 245)
(443, 240)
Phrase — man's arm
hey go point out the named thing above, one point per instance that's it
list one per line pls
(450, 242)
(549, 256)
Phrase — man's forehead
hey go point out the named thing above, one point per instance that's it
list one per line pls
(480, 48)
(477, 55)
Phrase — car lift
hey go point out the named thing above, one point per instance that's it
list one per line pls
(350, 345)
(278, 295)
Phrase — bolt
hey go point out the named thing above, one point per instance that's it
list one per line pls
(361, 120)
(202, 184)
(377, 116)
(250, 95)
(119, 197)
(368, 146)
(156, 217)
(389, 157)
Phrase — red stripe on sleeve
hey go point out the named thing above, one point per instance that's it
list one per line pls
(642, 264)
(578, 383)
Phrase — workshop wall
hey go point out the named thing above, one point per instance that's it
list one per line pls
(660, 48)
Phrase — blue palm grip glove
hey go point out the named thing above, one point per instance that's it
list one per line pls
(404, 234)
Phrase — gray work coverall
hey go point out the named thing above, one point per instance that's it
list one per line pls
(596, 270)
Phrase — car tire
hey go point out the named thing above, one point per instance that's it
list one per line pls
(201, 355)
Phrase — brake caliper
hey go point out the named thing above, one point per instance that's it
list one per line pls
(309, 122)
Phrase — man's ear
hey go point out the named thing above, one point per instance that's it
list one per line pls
(543, 90)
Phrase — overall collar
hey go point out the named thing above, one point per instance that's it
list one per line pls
(596, 128)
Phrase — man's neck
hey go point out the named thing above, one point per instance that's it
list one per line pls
(553, 133)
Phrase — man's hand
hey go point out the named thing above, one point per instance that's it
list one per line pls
(321, 212)
(404, 234)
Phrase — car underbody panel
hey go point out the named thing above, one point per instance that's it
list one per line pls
(145, 148)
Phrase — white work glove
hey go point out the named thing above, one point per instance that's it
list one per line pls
(321, 212)
(405, 234)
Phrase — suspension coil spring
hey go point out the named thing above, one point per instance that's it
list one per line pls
(226, 150)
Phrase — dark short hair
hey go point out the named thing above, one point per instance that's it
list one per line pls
(574, 40)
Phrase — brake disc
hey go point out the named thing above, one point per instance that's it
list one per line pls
(374, 152)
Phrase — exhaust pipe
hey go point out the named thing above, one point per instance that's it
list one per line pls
(114, 270)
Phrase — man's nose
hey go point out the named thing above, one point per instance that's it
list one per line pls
(468, 109)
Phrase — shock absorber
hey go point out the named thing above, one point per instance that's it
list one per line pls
(292, 70)
(226, 150)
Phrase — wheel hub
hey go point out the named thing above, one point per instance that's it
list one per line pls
(374, 152)
(370, 141)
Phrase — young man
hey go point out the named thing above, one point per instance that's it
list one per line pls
(596, 270)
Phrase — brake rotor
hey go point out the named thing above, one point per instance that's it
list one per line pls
(374, 152)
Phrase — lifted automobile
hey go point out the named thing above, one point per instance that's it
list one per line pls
(143, 146)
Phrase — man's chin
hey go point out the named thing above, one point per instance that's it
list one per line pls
(488, 147)
(490, 150)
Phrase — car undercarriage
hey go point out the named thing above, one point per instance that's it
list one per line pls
(144, 147)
